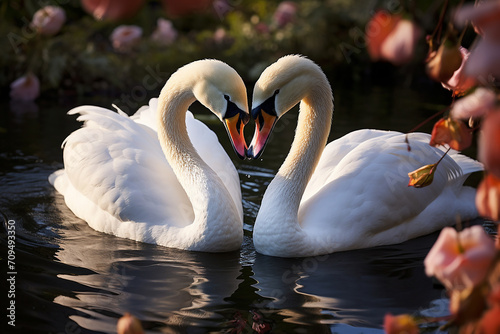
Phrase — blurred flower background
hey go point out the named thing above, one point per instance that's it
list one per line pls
(128, 49)
(77, 47)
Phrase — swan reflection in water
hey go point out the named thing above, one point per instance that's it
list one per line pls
(349, 291)
(157, 284)
(170, 289)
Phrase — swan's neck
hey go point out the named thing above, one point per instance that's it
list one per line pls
(211, 202)
(278, 215)
(313, 128)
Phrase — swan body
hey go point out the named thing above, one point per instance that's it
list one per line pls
(161, 176)
(354, 192)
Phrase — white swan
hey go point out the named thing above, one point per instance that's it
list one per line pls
(353, 193)
(160, 176)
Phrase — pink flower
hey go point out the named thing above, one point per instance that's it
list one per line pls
(25, 88)
(165, 33)
(489, 143)
(124, 38)
(485, 17)
(377, 30)
(112, 9)
(391, 38)
(220, 36)
(459, 83)
(460, 260)
(488, 197)
(474, 105)
(399, 46)
(285, 13)
(48, 20)
(484, 60)
(400, 324)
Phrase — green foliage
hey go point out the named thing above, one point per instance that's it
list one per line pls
(81, 59)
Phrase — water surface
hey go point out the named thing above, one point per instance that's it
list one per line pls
(72, 279)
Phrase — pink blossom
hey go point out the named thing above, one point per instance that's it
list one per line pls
(220, 35)
(460, 260)
(399, 46)
(48, 20)
(165, 33)
(459, 83)
(484, 60)
(391, 38)
(474, 105)
(25, 88)
(485, 17)
(262, 28)
(377, 29)
(489, 143)
(488, 197)
(285, 13)
(124, 38)
(112, 9)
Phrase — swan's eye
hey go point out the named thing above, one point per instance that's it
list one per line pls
(227, 97)
(276, 92)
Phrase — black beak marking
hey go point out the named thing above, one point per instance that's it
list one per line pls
(268, 106)
(233, 110)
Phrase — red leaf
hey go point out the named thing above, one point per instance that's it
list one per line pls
(451, 132)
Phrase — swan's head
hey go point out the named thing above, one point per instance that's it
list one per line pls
(279, 88)
(218, 87)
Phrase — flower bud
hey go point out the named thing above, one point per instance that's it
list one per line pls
(442, 64)
(48, 20)
(423, 176)
(25, 88)
(124, 38)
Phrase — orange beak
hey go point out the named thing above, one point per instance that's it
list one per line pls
(234, 126)
(264, 124)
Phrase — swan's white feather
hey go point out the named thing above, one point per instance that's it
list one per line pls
(359, 196)
(353, 193)
(117, 178)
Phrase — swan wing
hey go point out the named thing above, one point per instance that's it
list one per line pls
(115, 172)
(333, 154)
(206, 144)
(364, 199)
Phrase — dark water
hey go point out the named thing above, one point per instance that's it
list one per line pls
(72, 279)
